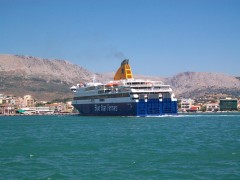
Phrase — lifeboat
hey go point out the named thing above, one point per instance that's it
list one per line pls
(112, 84)
(73, 88)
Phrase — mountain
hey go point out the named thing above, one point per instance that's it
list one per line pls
(44, 79)
(29, 66)
(51, 79)
(199, 84)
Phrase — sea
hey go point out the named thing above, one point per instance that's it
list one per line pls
(186, 146)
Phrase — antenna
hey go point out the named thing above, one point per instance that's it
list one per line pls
(94, 78)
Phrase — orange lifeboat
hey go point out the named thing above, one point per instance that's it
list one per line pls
(112, 84)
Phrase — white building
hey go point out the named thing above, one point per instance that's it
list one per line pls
(28, 101)
(186, 104)
(36, 110)
(212, 107)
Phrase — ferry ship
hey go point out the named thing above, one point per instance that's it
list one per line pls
(124, 96)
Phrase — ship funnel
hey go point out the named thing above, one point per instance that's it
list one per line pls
(124, 72)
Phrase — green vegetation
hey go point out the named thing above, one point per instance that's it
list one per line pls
(203, 108)
(39, 104)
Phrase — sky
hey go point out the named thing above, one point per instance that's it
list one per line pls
(159, 37)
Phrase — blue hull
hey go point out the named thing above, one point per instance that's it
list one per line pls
(153, 107)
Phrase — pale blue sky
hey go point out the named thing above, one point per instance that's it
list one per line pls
(160, 37)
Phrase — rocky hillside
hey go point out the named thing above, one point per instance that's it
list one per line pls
(42, 78)
(50, 79)
(199, 84)
(28, 66)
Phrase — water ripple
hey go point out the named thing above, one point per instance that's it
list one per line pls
(73, 147)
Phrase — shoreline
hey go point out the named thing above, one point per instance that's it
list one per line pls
(77, 114)
(55, 114)
(209, 112)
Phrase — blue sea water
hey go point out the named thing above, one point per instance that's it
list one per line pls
(198, 146)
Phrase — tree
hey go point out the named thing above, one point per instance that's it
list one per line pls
(203, 108)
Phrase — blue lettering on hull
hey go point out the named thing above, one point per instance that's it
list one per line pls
(153, 107)
(113, 109)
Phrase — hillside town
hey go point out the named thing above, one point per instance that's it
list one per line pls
(209, 105)
(28, 105)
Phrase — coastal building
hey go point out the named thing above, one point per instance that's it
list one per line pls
(35, 110)
(19, 103)
(7, 109)
(40, 103)
(194, 109)
(69, 107)
(43, 110)
(228, 104)
(2, 99)
(61, 107)
(28, 101)
(10, 99)
(212, 107)
(55, 107)
(186, 104)
(7, 104)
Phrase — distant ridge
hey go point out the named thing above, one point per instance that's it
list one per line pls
(199, 84)
(29, 66)
(42, 78)
(51, 79)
